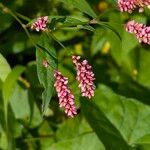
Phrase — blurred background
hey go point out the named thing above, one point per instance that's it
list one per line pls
(122, 65)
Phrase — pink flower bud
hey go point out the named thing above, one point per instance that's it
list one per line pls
(45, 63)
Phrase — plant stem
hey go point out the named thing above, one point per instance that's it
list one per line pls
(23, 17)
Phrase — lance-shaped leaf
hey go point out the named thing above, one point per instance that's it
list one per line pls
(46, 51)
(4, 68)
(120, 122)
(82, 5)
(9, 83)
(7, 91)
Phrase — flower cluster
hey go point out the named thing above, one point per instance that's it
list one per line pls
(40, 24)
(126, 5)
(85, 76)
(130, 5)
(66, 99)
(141, 31)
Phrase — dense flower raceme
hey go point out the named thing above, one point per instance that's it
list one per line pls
(85, 76)
(66, 98)
(40, 24)
(130, 5)
(141, 31)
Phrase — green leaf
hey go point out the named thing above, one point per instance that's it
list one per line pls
(45, 130)
(117, 119)
(98, 41)
(20, 98)
(10, 81)
(4, 68)
(8, 86)
(14, 127)
(126, 45)
(7, 20)
(3, 140)
(68, 21)
(144, 142)
(29, 114)
(72, 128)
(31, 74)
(63, 36)
(86, 27)
(47, 52)
(87, 141)
(115, 45)
(82, 5)
(35, 114)
(66, 72)
(7, 91)
(143, 65)
(108, 26)
(2, 119)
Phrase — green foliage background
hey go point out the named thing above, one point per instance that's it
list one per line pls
(117, 118)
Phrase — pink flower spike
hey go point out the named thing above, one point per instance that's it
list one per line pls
(66, 98)
(141, 31)
(130, 5)
(126, 5)
(40, 24)
(85, 76)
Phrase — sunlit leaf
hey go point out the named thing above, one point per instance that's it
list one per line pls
(4, 68)
(82, 5)
(119, 120)
(87, 141)
(29, 113)
(10, 81)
